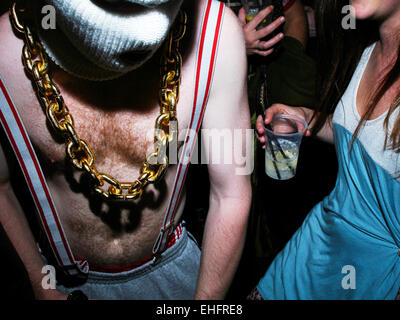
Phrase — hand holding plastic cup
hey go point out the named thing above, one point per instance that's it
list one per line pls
(282, 144)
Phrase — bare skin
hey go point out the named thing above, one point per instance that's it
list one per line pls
(117, 119)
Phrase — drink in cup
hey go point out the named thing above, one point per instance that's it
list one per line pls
(282, 143)
(252, 7)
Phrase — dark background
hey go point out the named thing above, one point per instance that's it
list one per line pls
(4, 5)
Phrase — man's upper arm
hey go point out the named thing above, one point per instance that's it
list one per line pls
(227, 118)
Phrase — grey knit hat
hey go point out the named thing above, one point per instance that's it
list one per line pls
(96, 42)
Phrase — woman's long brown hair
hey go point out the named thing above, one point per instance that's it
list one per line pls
(339, 53)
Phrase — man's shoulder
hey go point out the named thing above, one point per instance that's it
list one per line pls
(4, 36)
(12, 69)
(11, 46)
(233, 25)
(231, 33)
(197, 8)
(231, 29)
(228, 92)
(232, 49)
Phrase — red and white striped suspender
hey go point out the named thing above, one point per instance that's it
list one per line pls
(20, 142)
(205, 63)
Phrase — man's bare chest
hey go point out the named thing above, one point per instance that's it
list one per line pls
(120, 138)
(116, 120)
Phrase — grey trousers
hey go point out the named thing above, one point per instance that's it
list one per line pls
(174, 277)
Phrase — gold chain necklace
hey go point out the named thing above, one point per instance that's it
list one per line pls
(78, 150)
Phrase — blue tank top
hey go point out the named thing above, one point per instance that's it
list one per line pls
(348, 247)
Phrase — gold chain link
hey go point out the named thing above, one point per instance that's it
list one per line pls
(78, 150)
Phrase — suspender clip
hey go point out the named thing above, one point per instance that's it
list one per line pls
(162, 240)
(156, 258)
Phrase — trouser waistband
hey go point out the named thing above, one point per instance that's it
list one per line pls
(173, 238)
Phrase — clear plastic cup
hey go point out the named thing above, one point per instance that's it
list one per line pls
(252, 7)
(282, 144)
